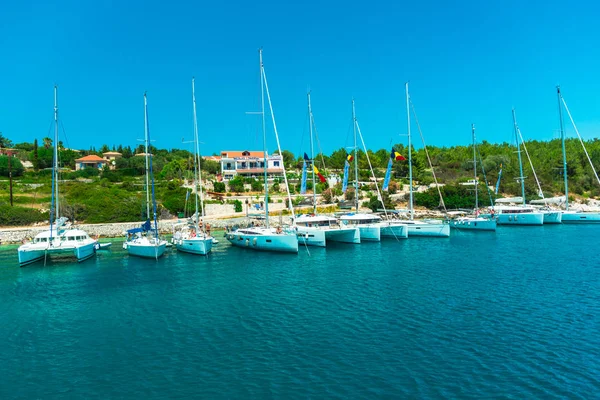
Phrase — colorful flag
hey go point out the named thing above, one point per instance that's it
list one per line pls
(321, 177)
(388, 174)
(394, 155)
(306, 157)
(350, 158)
(303, 182)
(499, 176)
(345, 182)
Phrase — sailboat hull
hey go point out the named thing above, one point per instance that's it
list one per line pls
(286, 243)
(580, 218)
(343, 235)
(474, 224)
(311, 236)
(370, 233)
(201, 246)
(146, 250)
(521, 219)
(420, 228)
(394, 230)
(552, 217)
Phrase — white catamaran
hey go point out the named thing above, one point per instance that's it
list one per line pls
(60, 240)
(477, 222)
(314, 229)
(570, 216)
(146, 241)
(416, 227)
(267, 238)
(191, 237)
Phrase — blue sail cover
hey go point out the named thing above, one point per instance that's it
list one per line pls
(388, 175)
(345, 182)
(499, 176)
(303, 185)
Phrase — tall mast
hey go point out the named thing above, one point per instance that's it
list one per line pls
(197, 168)
(312, 154)
(521, 178)
(146, 151)
(55, 172)
(564, 150)
(410, 180)
(475, 168)
(264, 129)
(355, 157)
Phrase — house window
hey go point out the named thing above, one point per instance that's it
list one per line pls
(243, 165)
(276, 163)
(228, 166)
(262, 164)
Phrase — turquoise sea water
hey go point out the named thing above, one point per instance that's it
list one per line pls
(515, 314)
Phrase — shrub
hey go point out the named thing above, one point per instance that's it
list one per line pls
(236, 184)
(219, 187)
(18, 216)
(237, 206)
(16, 166)
(256, 186)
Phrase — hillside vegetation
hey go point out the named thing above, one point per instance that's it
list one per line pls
(117, 195)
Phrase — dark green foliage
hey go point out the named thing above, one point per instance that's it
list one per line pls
(256, 186)
(18, 216)
(96, 203)
(455, 197)
(236, 184)
(210, 166)
(237, 206)
(375, 204)
(219, 187)
(16, 166)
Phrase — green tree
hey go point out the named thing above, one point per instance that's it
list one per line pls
(35, 160)
(47, 142)
(5, 142)
(236, 185)
(219, 187)
(338, 158)
(16, 166)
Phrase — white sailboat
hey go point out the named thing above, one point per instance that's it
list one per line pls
(145, 241)
(60, 240)
(477, 222)
(267, 238)
(367, 224)
(314, 229)
(551, 216)
(190, 237)
(521, 214)
(416, 227)
(571, 216)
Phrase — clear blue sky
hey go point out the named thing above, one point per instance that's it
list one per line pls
(466, 62)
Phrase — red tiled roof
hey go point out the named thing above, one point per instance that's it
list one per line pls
(232, 154)
(90, 158)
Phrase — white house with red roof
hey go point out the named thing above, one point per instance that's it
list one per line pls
(91, 161)
(250, 164)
